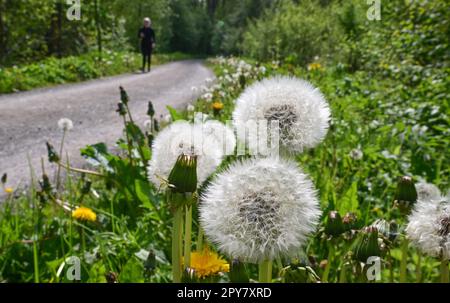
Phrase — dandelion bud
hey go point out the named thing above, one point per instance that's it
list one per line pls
(238, 272)
(334, 225)
(349, 221)
(151, 109)
(156, 125)
(52, 154)
(121, 109)
(406, 195)
(4, 178)
(183, 177)
(150, 262)
(297, 273)
(45, 184)
(111, 277)
(366, 245)
(123, 96)
(86, 187)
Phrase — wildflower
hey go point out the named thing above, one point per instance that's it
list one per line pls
(217, 107)
(259, 209)
(300, 109)
(429, 227)
(315, 66)
(84, 214)
(9, 190)
(208, 263)
(356, 154)
(65, 124)
(190, 108)
(183, 138)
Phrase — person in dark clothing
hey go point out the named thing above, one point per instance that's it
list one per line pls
(148, 42)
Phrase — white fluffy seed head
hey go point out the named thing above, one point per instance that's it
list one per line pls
(301, 109)
(183, 138)
(427, 192)
(260, 209)
(65, 124)
(429, 227)
(223, 134)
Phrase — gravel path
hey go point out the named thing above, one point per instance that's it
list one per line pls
(29, 119)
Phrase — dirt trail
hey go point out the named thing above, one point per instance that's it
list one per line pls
(29, 119)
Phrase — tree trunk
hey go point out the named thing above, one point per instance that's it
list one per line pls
(59, 9)
(98, 27)
(3, 45)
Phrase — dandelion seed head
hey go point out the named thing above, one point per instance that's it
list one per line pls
(65, 124)
(223, 134)
(429, 227)
(259, 209)
(183, 138)
(356, 154)
(300, 108)
(427, 191)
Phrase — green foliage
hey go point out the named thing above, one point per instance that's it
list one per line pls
(52, 71)
(293, 32)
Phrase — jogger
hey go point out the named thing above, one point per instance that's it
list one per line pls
(148, 41)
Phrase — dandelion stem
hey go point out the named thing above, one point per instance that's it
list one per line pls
(419, 268)
(58, 173)
(342, 274)
(81, 171)
(265, 271)
(177, 244)
(200, 239)
(187, 236)
(326, 272)
(444, 271)
(36, 261)
(403, 262)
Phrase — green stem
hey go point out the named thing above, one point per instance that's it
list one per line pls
(419, 268)
(129, 142)
(83, 242)
(265, 271)
(58, 174)
(342, 274)
(444, 271)
(404, 260)
(326, 272)
(200, 238)
(35, 261)
(177, 244)
(187, 236)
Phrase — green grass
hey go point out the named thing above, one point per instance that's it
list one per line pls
(53, 71)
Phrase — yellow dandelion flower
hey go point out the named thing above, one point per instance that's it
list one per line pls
(217, 105)
(208, 263)
(84, 214)
(9, 190)
(315, 66)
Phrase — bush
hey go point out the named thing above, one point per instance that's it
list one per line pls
(296, 32)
